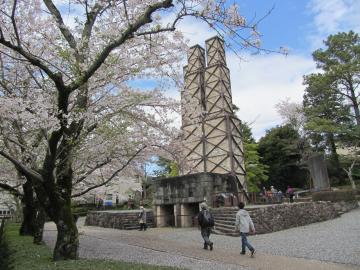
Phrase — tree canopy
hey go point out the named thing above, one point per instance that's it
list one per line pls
(280, 150)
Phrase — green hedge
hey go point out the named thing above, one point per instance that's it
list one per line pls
(334, 196)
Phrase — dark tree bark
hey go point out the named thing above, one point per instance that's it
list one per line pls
(57, 197)
(29, 211)
(336, 173)
(67, 241)
(40, 217)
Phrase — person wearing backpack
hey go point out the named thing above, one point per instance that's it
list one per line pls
(244, 224)
(206, 222)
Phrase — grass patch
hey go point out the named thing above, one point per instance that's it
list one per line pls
(28, 256)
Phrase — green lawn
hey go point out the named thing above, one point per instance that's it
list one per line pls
(28, 256)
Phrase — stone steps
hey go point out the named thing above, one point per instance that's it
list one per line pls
(225, 220)
(222, 231)
(225, 226)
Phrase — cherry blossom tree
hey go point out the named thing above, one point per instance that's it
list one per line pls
(67, 88)
(292, 113)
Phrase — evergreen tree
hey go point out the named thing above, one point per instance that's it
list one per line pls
(256, 171)
(280, 149)
(166, 168)
(331, 100)
(341, 62)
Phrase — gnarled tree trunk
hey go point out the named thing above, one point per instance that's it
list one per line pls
(39, 225)
(67, 241)
(27, 225)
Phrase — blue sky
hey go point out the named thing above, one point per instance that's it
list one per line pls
(285, 25)
(259, 82)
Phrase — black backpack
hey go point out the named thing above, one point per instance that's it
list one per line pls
(208, 219)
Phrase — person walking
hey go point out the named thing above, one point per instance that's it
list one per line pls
(244, 224)
(142, 219)
(206, 222)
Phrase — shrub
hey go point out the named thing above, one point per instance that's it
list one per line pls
(5, 258)
(334, 196)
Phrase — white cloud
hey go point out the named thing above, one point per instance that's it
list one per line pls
(264, 80)
(196, 31)
(332, 16)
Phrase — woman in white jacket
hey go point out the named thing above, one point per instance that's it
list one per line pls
(244, 224)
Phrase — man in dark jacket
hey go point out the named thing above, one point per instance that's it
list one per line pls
(206, 222)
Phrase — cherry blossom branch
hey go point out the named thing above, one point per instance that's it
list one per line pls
(112, 176)
(11, 189)
(14, 23)
(21, 168)
(56, 77)
(63, 28)
(144, 19)
(165, 29)
(98, 166)
(126, 13)
(91, 18)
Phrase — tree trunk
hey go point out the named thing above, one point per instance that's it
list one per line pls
(334, 155)
(353, 186)
(337, 174)
(350, 174)
(27, 225)
(355, 105)
(67, 241)
(39, 225)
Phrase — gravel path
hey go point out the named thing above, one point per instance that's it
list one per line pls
(336, 240)
(333, 242)
(131, 253)
(100, 245)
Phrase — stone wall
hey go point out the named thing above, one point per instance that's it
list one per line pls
(125, 219)
(343, 207)
(266, 219)
(194, 188)
(285, 216)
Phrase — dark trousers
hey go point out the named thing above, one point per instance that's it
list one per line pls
(142, 226)
(205, 233)
(245, 243)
